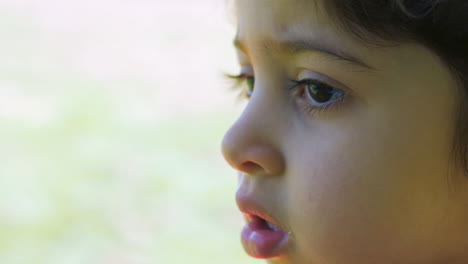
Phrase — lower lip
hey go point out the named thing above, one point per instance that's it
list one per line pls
(261, 242)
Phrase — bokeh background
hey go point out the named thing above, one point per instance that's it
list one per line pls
(111, 117)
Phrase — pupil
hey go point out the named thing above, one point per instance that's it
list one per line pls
(320, 93)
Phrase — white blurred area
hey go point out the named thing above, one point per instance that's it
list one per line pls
(111, 117)
(175, 46)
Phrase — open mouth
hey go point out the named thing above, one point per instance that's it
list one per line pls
(261, 224)
(263, 239)
(263, 236)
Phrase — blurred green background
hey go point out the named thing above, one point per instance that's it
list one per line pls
(111, 117)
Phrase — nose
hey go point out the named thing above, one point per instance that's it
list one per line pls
(251, 145)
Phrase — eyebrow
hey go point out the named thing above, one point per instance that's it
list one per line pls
(298, 46)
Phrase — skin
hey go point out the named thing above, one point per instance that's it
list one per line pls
(369, 181)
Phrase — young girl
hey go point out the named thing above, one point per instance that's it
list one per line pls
(353, 146)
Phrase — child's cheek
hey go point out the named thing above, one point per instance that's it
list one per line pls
(348, 192)
(334, 208)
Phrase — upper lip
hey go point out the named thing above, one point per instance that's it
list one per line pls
(249, 206)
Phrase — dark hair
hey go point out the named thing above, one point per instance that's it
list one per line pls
(439, 25)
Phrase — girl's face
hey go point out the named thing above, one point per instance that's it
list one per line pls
(348, 153)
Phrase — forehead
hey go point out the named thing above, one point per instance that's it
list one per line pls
(276, 15)
(280, 20)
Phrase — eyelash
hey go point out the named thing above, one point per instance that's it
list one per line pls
(241, 79)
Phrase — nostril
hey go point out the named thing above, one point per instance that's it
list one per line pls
(250, 167)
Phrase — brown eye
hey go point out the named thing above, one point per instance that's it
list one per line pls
(318, 92)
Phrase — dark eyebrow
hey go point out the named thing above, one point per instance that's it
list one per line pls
(295, 47)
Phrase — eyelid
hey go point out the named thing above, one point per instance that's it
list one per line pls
(308, 74)
(246, 69)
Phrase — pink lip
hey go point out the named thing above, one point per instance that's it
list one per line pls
(258, 240)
